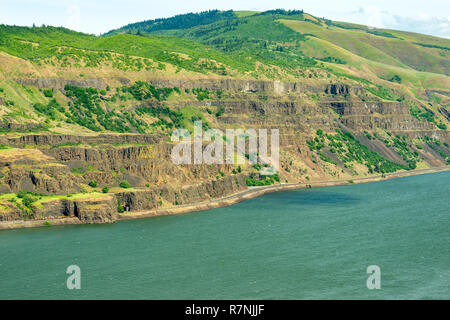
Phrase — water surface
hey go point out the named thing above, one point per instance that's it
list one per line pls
(303, 244)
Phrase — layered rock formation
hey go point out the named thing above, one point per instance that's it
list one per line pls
(62, 164)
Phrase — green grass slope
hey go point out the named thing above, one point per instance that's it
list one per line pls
(277, 44)
(67, 46)
(396, 48)
(262, 32)
(286, 43)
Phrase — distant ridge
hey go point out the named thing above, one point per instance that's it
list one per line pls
(180, 21)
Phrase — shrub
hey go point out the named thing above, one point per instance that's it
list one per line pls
(48, 93)
(27, 200)
(264, 180)
(125, 184)
(442, 126)
(257, 166)
(105, 190)
(220, 111)
(120, 208)
(396, 78)
(21, 194)
(93, 183)
(412, 164)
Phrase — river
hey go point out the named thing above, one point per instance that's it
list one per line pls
(302, 244)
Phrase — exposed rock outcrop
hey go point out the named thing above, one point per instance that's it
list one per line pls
(59, 83)
(91, 209)
(55, 140)
(62, 164)
(153, 198)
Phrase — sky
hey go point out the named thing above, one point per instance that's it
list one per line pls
(99, 16)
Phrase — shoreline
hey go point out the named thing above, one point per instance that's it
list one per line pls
(253, 192)
(250, 193)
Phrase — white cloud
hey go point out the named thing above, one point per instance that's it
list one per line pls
(423, 17)
(432, 25)
(74, 18)
(373, 16)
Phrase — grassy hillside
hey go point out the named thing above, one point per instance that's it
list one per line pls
(393, 48)
(293, 44)
(274, 45)
(244, 31)
(69, 48)
(291, 41)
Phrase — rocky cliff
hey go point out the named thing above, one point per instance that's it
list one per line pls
(75, 167)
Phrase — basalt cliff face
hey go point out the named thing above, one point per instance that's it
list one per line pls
(61, 168)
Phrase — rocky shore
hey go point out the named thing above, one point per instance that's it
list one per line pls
(249, 193)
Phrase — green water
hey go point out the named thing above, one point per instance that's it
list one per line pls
(304, 244)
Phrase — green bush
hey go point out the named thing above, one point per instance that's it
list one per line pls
(441, 126)
(264, 180)
(93, 183)
(385, 93)
(396, 78)
(120, 208)
(220, 111)
(48, 93)
(21, 194)
(105, 189)
(27, 200)
(125, 184)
